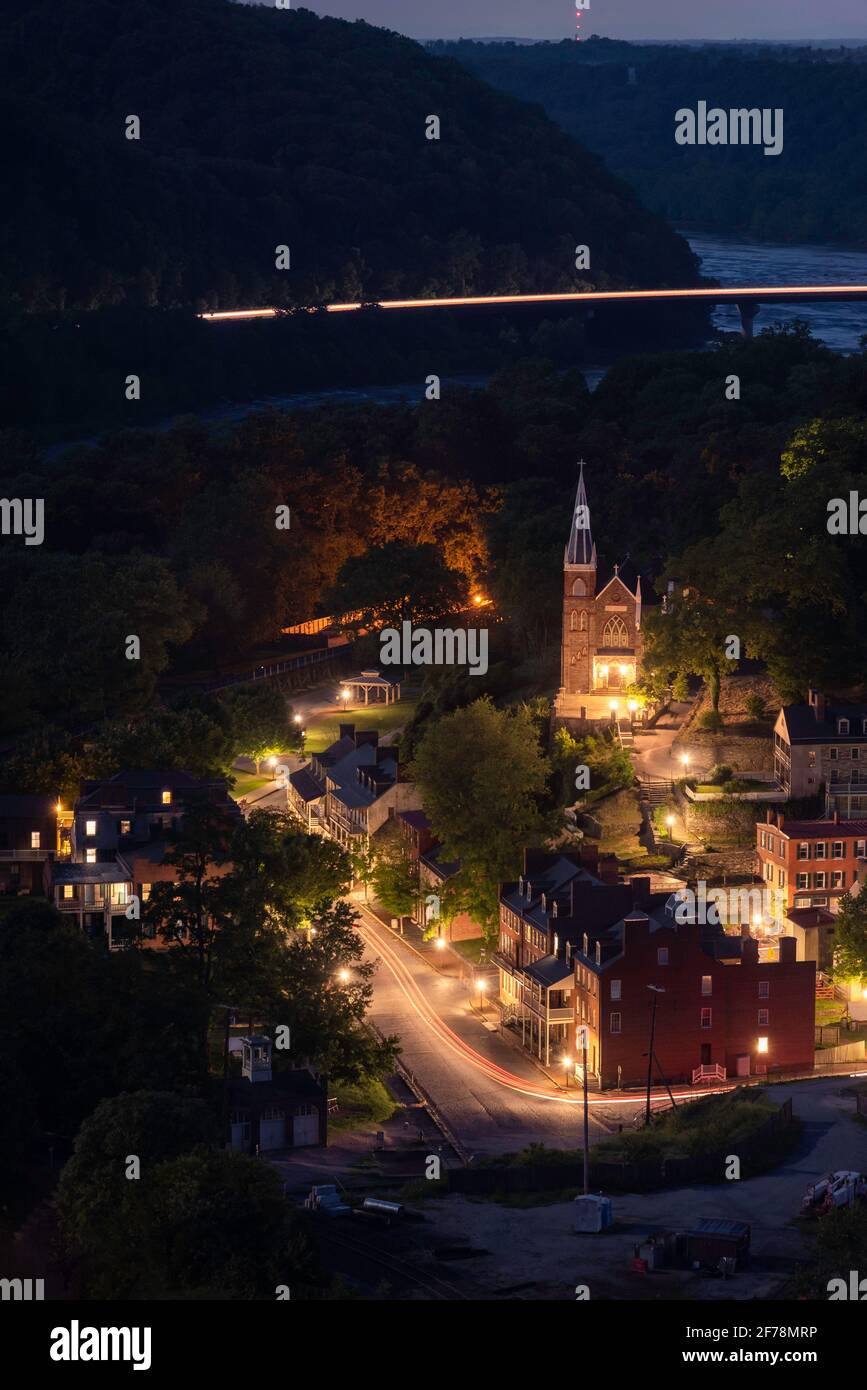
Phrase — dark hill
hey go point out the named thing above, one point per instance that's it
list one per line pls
(619, 99)
(264, 127)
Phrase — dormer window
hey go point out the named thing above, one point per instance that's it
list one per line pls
(842, 726)
(167, 798)
(554, 908)
(586, 946)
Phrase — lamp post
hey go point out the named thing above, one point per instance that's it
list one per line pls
(567, 1063)
(656, 990)
(582, 1038)
(482, 987)
(669, 820)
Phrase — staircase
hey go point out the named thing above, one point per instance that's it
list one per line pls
(656, 791)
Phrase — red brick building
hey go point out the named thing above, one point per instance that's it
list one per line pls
(810, 863)
(721, 1012)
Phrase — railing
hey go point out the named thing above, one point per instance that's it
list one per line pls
(30, 855)
(708, 1071)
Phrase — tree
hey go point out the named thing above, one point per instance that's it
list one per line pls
(482, 775)
(395, 880)
(690, 638)
(197, 738)
(260, 721)
(394, 582)
(850, 948)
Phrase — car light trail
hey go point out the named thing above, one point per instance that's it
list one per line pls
(723, 295)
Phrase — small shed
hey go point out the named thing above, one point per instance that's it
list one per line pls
(712, 1238)
(373, 686)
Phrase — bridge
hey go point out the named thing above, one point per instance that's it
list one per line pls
(747, 298)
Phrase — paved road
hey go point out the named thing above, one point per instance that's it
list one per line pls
(494, 1097)
(652, 753)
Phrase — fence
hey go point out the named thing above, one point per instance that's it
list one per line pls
(846, 1052)
(646, 1175)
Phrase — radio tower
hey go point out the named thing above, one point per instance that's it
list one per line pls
(580, 7)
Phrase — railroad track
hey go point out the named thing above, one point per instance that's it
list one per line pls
(432, 1284)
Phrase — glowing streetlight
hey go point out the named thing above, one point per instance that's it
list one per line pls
(669, 820)
(343, 976)
(477, 598)
(633, 706)
(297, 718)
(483, 985)
(272, 761)
(613, 706)
(684, 758)
(440, 943)
(345, 694)
(567, 1066)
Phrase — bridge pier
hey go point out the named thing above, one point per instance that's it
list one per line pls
(747, 308)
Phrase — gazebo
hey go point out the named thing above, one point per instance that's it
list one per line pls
(383, 690)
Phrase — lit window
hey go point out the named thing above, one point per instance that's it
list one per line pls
(126, 827)
(615, 1023)
(662, 956)
(90, 827)
(707, 984)
(615, 989)
(764, 1018)
(167, 798)
(145, 892)
(764, 989)
(68, 891)
(35, 839)
(90, 856)
(838, 878)
(762, 1045)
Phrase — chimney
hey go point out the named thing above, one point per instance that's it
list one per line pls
(749, 951)
(788, 950)
(608, 870)
(640, 890)
(769, 816)
(819, 704)
(836, 817)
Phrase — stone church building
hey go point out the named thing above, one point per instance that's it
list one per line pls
(600, 652)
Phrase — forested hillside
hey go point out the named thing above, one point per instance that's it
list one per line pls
(815, 190)
(262, 128)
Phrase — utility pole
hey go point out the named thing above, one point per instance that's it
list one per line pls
(657, 990)
(583, 1032)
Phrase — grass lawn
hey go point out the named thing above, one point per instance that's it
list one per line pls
(470, 950)
(247, 782)
(324, 729)
(829, 1011)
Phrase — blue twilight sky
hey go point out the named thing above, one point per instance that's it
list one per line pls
(623, 19)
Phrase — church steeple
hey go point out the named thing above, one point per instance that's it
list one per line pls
(580, 549)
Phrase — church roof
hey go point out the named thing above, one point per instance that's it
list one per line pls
(580, 549)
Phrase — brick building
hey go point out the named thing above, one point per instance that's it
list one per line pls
(812, 863)
(434, 873)
(721, 1011)
(29, 841)
(602, 639)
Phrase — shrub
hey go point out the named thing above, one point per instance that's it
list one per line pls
(711, 719)
(719, 773)
(755, 707)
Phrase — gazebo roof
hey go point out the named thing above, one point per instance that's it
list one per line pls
(368, 678)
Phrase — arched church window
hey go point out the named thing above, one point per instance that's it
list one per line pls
(614, 633)
(574, 661)
(584, 620)
(573, 621)
(579, 588)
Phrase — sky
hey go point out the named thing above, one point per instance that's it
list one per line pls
(622, 19)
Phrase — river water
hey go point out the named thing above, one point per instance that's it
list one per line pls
(738, 261)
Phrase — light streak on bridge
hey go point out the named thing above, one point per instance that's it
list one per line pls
(765, 294)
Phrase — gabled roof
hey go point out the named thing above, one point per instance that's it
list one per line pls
(549, 971)
(308, 787)
(803, 726)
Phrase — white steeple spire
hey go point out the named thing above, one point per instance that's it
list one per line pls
(581, 549)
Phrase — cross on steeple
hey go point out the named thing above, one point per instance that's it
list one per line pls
(580, 549)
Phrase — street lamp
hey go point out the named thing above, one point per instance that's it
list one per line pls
(669, 820)
(567, 1066)
(482, 987)
(684, 758)
(633, 706)
(297, 718)
(440, 943)
(272, 761)
(656, 991)
(343, 976)
(613, 707)
(345, 694)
